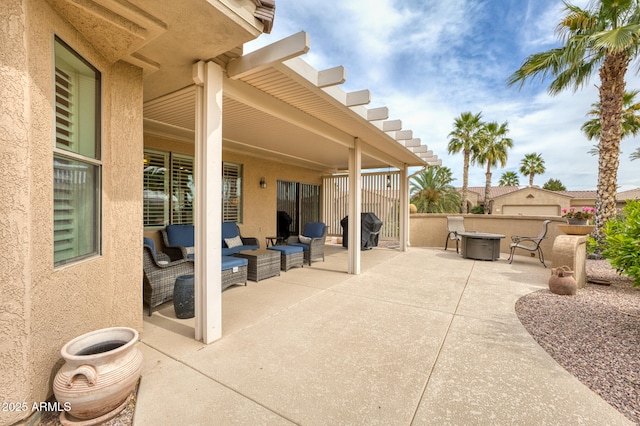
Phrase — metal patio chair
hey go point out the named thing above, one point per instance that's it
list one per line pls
(455, 224)
(531, 244)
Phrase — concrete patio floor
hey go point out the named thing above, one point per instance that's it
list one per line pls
(423, 337)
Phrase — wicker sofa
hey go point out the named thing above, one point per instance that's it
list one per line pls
(312, 241)
(179, 240)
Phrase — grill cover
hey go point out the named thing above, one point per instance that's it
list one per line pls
(370, 231)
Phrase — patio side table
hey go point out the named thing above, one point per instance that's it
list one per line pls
(262, 263)
(183, 300)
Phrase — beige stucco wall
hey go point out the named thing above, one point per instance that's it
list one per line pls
(43, 307)
(430, 230)
(260, 204)
(531, 201)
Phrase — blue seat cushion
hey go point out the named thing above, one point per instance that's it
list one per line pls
(305, 247)
(226, 251)
(287, 250)
(180, 235)
(230, 262)
(313, 229)
(149, 242)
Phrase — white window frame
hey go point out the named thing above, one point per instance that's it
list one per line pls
(76, 233)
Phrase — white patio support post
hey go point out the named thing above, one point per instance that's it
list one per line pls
(404, 208)
(355, 206)
(207, 207)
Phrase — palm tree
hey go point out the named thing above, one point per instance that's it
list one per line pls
(509, 179)
(532, 164)
(432, 191)
(464, 137)
(491, 151)
(630, 120)
(605, 36)
(635, 154)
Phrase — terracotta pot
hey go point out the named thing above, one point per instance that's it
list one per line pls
(562, 281)
(101, 370)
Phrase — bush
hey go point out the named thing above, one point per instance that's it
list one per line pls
(477, 210)
(622, 241)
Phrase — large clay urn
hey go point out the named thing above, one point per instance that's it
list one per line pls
(101, 370)
(562, 281)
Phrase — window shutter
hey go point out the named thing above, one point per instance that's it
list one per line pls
(63, 216)
(64, 115)
(231, 192)
(182, 189)
(64, 234)
(156, 189)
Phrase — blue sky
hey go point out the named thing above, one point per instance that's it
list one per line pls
(428, 61)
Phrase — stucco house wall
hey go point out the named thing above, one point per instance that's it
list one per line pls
(43, 307)
(531, 201)
(259, 204)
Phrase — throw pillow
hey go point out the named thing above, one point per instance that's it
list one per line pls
(304, 240)
(190, 250)
(233, 242)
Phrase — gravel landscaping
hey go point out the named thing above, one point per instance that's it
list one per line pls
(595, 334)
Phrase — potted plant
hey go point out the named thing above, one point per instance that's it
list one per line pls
(578, 216)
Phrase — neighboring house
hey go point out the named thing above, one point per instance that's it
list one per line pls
(530, 201)
(117, 111)
(624, 196)
(535, 201)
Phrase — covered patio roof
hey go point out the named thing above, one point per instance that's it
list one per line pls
(278, 106)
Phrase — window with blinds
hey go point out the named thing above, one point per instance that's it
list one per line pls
(76, 159)
(231, 192)
(168, 188)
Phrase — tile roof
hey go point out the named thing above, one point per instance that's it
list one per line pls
(632, 194)
(579, 194)
(497, 191)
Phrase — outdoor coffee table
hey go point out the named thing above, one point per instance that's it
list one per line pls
(262, 263)
(480, 245)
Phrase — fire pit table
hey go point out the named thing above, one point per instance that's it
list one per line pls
(480, 245)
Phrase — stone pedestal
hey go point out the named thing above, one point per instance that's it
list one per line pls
(571, 250)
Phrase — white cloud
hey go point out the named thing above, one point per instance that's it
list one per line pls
(430, 61)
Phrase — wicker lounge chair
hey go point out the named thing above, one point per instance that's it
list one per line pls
(312, 242)
(159, 275)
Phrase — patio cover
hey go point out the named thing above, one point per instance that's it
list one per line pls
(288, 111)
(273, 104)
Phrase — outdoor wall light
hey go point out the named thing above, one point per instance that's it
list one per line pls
(263, 183)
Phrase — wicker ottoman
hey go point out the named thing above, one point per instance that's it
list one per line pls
(290, 256)
(234, 271)
(262, 263)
